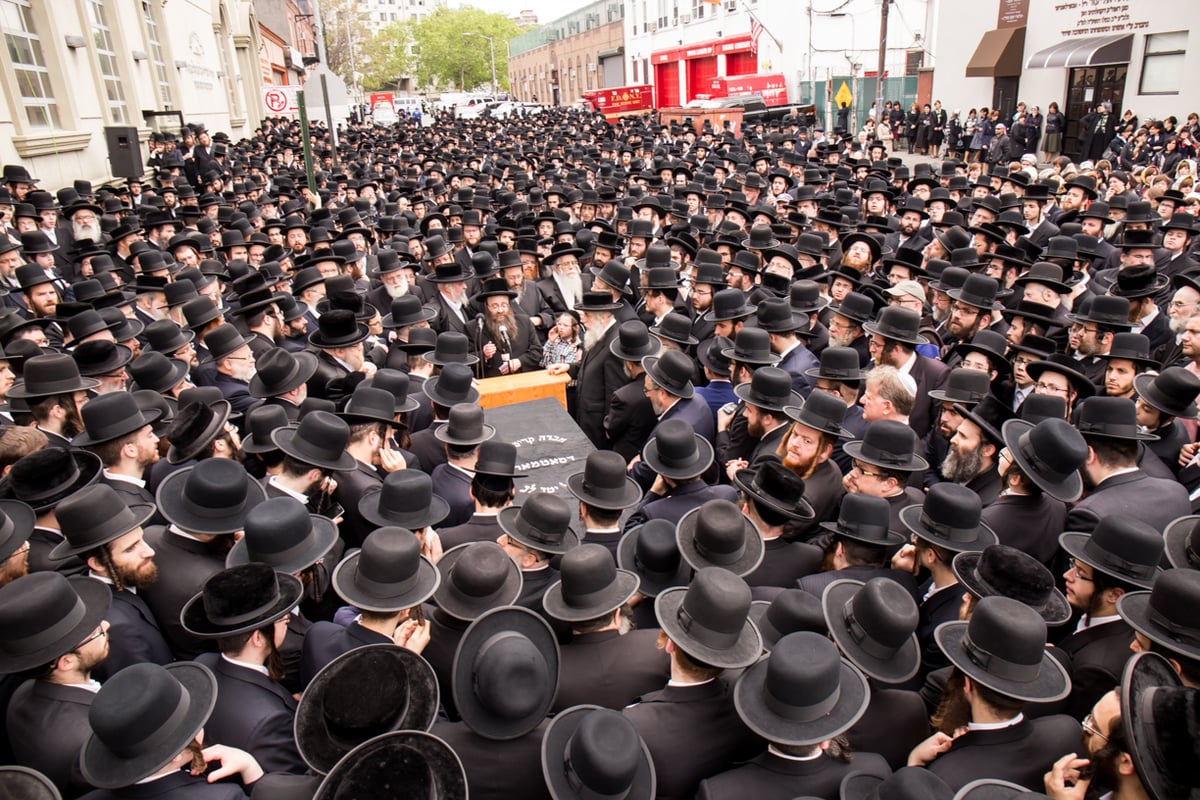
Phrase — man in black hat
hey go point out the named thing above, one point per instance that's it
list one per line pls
(1093, 329)
(491, 490)
(121, 434)
(691, 726)
(533, 534)
(772, 499)
(630, 416)
(55, 394)
(281, 379)
(893, 342)
(1111, 474)
(462, 436)
(564, 288)
(973, 458)
(604, 491)
(1001, 665)
(451, 298)
(599, 373)
(339, 338)
(505, 342)
(313, 452)
(42, 479)
(55, 629)
(370, 414)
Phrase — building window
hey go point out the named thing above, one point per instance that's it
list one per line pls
(106, 60)
(158, 60)
(221, 34)
(1162, 66)
(29, 64)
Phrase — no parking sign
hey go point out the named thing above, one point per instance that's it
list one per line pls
(279, 100)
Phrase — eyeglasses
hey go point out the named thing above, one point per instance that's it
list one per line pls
(1089, 727)
(1075, 326)
(1049, 388)
(1023, 361)
(102, 632)
(1174, 304)
(1079, 575)
(861, 470)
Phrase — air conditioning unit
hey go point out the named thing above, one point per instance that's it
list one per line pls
(654, 27)
(685, 18)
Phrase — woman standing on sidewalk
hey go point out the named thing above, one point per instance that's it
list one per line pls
(1056, 123)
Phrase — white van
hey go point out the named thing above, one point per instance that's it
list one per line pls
(409, 107)
(384, 115)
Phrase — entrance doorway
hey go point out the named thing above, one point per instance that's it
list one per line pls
(1087, 87)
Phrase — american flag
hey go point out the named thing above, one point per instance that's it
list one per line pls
(756, 30)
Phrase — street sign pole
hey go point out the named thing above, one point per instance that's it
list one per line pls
(309, 176)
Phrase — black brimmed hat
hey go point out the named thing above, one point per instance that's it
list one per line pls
(752, 346)
(1160, 721)
(452, 386)
(1173, 392)
(1121, 547)
(464, 427)
(1109, 418)
(709, 619)
(49, 375)
(1049, 453)
(822, 412)
(111, 416)
(212, 497)
(45, 477)
(875, 625)
(1106, 310)
(775, 486)
(963, 386)
(542, 522)
(1003, 648)
(672, 371)
(1008, 572)
(398, 764)
(865, 519)
(634, 342)
(718, 534)
(803, 693)
(591, 752)
(476, 577)
(43, 616)
(281, 533)
(338, 328)
(898, 324)
(142, 718)
(769, 388)
(989, 415)
(604, 482)
(888, 444)
(1066, 366)
(949, 518)
(838, 364)
(451, 347)
(319, 440)
(388, 574)
(1047, 274)
(95, 516)
(505, 673)
(791, 610)
(729, 304)
(1181, 540)
(590, 585)
(674, 328)
(154, 371)
(335, 715)
(405, 500)
(16, 523)
(1166, 615)
(407, 310)
(676, 451)
(651, 551)
(240, 599)
(597, 301)
(279, 371)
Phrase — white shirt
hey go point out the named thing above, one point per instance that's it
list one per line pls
(811, 757)
(996, 726)
(246, 665)
(906, 368)
(1086, 622)
(685, 684)
(303, 498)
(116, 476)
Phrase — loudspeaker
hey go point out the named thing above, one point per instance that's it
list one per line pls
(124, 151)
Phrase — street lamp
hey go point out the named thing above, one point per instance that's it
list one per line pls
(492, 47)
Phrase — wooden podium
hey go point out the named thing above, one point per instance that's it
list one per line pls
(509, 389)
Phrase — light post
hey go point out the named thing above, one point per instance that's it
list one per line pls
(492, 47)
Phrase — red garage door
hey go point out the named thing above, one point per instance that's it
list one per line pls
(700, 72)
(741, 64)
(666, 85)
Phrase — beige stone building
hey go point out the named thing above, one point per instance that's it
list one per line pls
(557, 62)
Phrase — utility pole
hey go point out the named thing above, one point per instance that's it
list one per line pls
(883, 38)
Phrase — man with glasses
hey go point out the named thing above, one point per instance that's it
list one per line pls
(1183, 305)
(1090, 336)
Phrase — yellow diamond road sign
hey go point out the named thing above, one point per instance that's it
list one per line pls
(844, 95)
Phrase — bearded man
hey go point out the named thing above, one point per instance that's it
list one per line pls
(235, 365)
(975, 448)
(504, 342)
(599, 373)
(565, 287)
(807, 450)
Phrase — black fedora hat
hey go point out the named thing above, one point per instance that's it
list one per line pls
(335, 715)
(1068, 367)
(875, 625)
(775, 486)
(1045, 273)
(978, 291)
(590, 752)
(212, 497)
(1166, 615)
(1122, 547)
(496, 460)
(165, 336)
(16, 523)
(388, 573)
(676, 451)
(225, 340)
(542, 522)
(49, 375)
(1049, 453)
(1106, 310)
(791, 611)
(1159, 719)
(320, 440)
(111, 416)
(590, 585)
(709, 619)
(95, 516)
(240, 599)
(989, 415)
(399, 764)
(464, 426)
(604, 482)
(597, 301)
(1173, 392)
(991, 345)
(1002, 647)
(856, 307)
(448, 273)
(1009, 572)
(370, 405)
(154, 371)
(451, 387)
(45, 477)
(279, 371)
(1031, 311)
(906, 783)
(752, 346)
(476, 577)
(1109, 418)
(1139, 280)
(963, 386)
(395, 383)
(776, 315)
(718, 534)
(652, 552)
(672, 327)
(338, 328)
(888, 444)
(615, 275)
(949, 518)
(822, 412)
(43, 615)
(672, 371)
(863, 518)
(634, 342)
(281, 533)
(769, 388)
(405, 500)
(451, 347)
(838, 364)
(142, 718)
(1181, 542)
(729, 304)
(23, 783)
(505, 673)
(407, 310)
(898, 324)
(803, 693)
(100, 357)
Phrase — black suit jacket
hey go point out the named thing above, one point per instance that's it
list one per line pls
(1155, 501)
(176, 786)
(41, 542)
(133, 637)
(236, 392)
(427, 448)
(1030, 523)
(770, 777)
(599, 374)
(328, 371)
(454, 486)
(351, 486)
(929, 374)
(476, 529)
(693, 733)
(630, 419)
(498, 770)
(1096, 658)
(609, 669)
(325, 641)
(445, 632)
(47, 726)
(785, 562)
(253, 713)
(682, 499)
(183, 566)
(942, 606)
(526, 347)
(1021, 753)
(895, 723)
(446, 319)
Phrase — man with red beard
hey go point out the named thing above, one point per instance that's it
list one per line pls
(107, 534)
(506, 343)
(807, 451)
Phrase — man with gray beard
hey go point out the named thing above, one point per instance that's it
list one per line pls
(504, 342)
(973, 459)
(234, 361)
(599, 373)
(565, 287)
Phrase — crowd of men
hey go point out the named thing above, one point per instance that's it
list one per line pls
(890, 489)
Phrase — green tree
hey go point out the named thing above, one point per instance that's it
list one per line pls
(343, 23)
(386, 57)
(450, 49)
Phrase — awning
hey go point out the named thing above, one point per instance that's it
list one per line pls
(1089, 52)
(999, 54)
